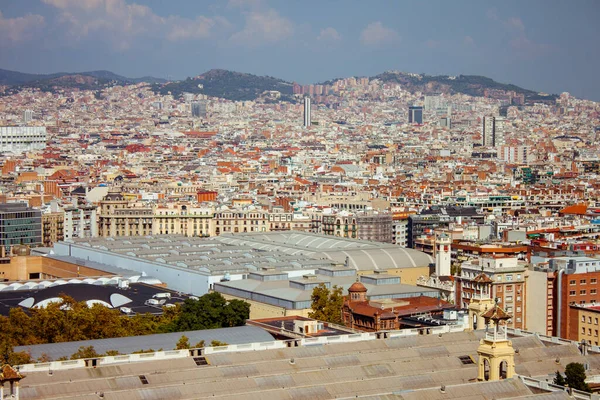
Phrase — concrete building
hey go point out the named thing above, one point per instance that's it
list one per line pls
(493, 131)
(273, 293)
(52, 228)
(241, 221)
(121, 217)
(19, 224)
(193, 264)
(415, 115)
(80, 222)
(183, 219)
(307, 112)
(21, 139)
(508, 285)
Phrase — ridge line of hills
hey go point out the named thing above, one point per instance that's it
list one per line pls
(243, 86)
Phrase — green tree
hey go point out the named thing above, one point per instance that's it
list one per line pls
(9, 356)
(85, 352)
(216, 343)
(559, 379)
(183, 343)
(327, 304)
(208, 312)
(199, 345)
(236, 313)
(575, 377)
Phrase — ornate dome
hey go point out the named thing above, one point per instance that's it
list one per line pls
(357, 287)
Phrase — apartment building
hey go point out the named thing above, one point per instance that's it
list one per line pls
(241, 220)
(52, 228)
(183, 219)
(121, 217)
(507, 286)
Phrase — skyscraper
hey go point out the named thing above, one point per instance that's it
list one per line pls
(199, 109)
(306, 112)
(27, 116)
(493, 131)
(415, 115)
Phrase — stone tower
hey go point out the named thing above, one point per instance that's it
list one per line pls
(442, 255)
(481, 301)
(496, 354)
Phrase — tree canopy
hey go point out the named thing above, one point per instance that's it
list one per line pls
(70, 320)
(327, 304)
(575, 377)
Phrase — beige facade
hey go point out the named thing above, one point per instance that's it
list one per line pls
(237, 221)
(22, 268)
(52, 228)
(121, 217)
(262, 310)
(183, 219)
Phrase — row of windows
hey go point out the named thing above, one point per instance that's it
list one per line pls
(582, 292)
(589, 319)
(573, 282)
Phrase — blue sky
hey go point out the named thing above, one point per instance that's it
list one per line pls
(543, 45)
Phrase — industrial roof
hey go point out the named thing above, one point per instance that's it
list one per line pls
(245, 252)
(413, 367)
(165, 341)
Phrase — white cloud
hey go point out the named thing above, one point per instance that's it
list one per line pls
(329, 35)
(515, 24)
(263, 27)
(183, 29)
(376, 34)
(20, 29)
(468, 41)
(120, 22)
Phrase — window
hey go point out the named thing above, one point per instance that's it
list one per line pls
(593, 281)
(143, 379)
(593, 291)
(582, 292)
(518, 276)
(583, 331)
(508, 298)
(582, 282)
(509, 278)
(499, 278)
(572, 293)
(572, 282)
(589, 320)
(583, 318)
(466, 360)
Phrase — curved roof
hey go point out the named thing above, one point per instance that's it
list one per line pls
(357, 287)
(362, 255)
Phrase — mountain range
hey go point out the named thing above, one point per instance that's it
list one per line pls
(242, 86)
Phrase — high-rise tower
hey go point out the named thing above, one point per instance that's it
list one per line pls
(306, 112)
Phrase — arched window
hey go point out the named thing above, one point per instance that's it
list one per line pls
(503, 369)
(486, 369)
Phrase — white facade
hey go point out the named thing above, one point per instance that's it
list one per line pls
(306, 112)
(80, 223)
(442, 255)
(20, 139)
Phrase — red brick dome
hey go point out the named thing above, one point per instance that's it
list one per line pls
(357, 287)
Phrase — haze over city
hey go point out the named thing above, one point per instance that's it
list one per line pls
(299, 200)
(548, 46)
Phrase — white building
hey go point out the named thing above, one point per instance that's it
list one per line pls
(20, 139)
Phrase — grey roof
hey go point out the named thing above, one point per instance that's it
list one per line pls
(243, 252)
(277, 291)
(413, 367)
(165, 341)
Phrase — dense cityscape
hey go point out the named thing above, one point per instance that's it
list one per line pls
(395, 236)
